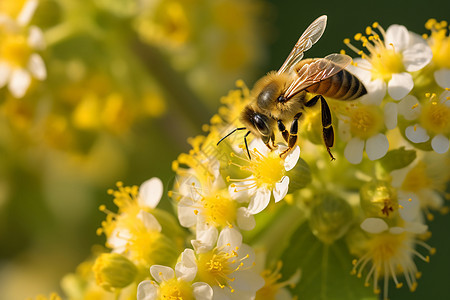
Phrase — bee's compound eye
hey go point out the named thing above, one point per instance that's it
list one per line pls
(261, 124)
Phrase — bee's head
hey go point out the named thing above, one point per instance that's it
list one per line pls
(258, 123)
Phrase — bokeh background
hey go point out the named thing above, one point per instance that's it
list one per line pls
(125, 89)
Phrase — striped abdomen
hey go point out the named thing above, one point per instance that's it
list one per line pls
(343, 86)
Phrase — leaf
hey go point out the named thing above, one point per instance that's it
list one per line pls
(325, 269)
(397, 159)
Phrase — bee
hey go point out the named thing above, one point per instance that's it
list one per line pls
(282, 95)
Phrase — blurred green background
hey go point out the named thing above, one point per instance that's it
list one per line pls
(49, 195)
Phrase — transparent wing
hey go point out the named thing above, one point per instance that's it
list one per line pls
(316, 71)
(311, 35)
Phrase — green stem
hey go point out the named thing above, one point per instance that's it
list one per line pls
(324, 266)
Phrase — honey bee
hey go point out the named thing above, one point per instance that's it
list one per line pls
(281, 96)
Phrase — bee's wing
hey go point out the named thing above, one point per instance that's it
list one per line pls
(316, 71)
(311, 35)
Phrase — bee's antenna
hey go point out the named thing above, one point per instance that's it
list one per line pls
(233, 131)
(246, 146)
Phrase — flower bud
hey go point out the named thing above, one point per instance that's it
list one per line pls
(113, 270)
(378, 199)
(330, 219)
(299, 176)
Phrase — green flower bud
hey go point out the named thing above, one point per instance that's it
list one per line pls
(113, 270)
(330, 219)
(378, 199)
(299, 176)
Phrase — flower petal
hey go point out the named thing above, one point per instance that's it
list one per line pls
(354, 150)
(186, 268)
(416, 227)
(398, 36)
(377, 146)
(206, 236)
(281, 189)
(410, 206)
(247, 281)
(149, 221)
(400, 85)
(146, 290)
(36, 38)
(19, 82)
(396, 230)
(245, 220)
(229, 237)
(260, 201)
(27, 12)
(37, 67)
(291, 159)
(440, 144)
(416, 57)
(416, 134)
(409, 107)
(390, 115)
(161, 273)
(442, 78)
(374, 225)
(186, 213)
(202, 291)
(150, 192)
(376, 90)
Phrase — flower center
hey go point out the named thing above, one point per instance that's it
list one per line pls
(268, 170)
(439, 43)
(174, 289)
(435, 117)
(11, 8)
(219, 209)
(385, 63)
(15, 50)
(365, 121)
(216, 266)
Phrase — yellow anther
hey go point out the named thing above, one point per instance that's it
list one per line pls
(347, 41)
(375, 24)
(358, 36)
(415, 105)
(399, 285)
(368, 30)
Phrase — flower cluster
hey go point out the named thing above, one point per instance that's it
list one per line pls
(247, 213)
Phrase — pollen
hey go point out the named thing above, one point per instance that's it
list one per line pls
(365, 121)
(439, 42)
(174, 289)
(435, 117)
(416, 179)
(219, 210)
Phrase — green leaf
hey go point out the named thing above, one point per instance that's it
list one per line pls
(397, 159)
(325, 269)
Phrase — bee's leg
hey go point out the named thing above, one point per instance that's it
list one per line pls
(292, 134)
(272, 138)
(283, 130)
(328, 132)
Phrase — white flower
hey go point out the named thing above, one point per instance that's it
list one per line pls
(267, 176)
(170, 283)
(439, 42)
(390, 61)
(362, 128)
(432, 120)
(19, 61)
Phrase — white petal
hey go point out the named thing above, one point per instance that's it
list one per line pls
(416, 57)
(400, 85)
(149, 221)
(344, 130)
(376, 90)
(398, 36)
(220, 294)
(119, 239)
(390, 115)
(247, 281)
(240, 191)
(206, 236)
(27, 12)
(260, 201)
(281, 189)
(377, 146)
(398, 176)
(374, 225)
(150, 192)
(361, 70)
(415, 227)
(229, 237)
(245, 220)
(19, 82)
(146, 290)
(396, 230)
(430, 198)
(186, 268)
(37, 67)
(440, 144)
(409, 107)
(442, 78)
(292, 158)
(247, 252)
(283, 294)
(410, 206)
(5, 72)
(202, 291)
(161, 273)
(36, 38)
(416, 134)
(186, 213)
(354, 150)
